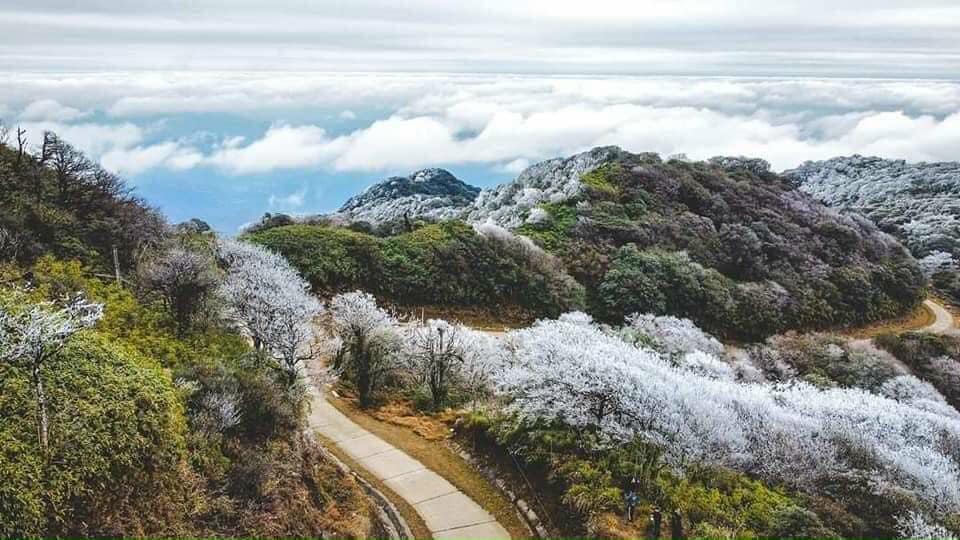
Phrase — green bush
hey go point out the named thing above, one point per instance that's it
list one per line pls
(554, 233)
(446, 263)
(117, 447)
(590, 479)
(660, 282)
(728, 501)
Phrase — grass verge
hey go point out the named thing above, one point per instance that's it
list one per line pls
(919, 318)
(441, 459)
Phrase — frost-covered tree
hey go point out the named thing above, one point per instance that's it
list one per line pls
(795, 433)
(184, 278)
(271, 304)
(913, 526)
(938, 262)
(671, 336)
(572, 372)
(443, 355)
(920, 202)
(31, 335)
(370, 340)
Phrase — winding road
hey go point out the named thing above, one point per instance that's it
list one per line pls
(446, 510)
(943, 320)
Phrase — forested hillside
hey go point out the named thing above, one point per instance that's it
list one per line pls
(727, 243)
(448, 263)
(56, 201)
(917, 202)
(144, 407)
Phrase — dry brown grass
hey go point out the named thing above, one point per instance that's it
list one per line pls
(401, 413)
(919, 318)
(613, 527)
(400, 426)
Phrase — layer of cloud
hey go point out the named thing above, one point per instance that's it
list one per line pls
(50, 110)
(288, 202)
(727, 37)
(501, 122)
(515, 139)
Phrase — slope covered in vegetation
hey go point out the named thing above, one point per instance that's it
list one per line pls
(141, 408)
(448, 263)
(917, 202)
(802, 436)
(725, 242)
(57, 201)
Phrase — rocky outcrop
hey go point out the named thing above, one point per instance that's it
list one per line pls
(430, 193)
(551, 181)
(917, 202)
(436, 194)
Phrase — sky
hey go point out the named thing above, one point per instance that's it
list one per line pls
(227, 109)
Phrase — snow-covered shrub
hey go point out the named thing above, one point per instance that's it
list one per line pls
(370, 339)
(938, 262)
(271, 304)
(671, 336)
(707, 365)
(444, 356)
(576, 317)
(792, 433)
(914, 526)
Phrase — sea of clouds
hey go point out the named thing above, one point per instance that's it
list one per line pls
(405, 121)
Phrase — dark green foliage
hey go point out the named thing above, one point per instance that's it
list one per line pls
(736, 249)
(445, 263)
(332, 259)
(554, 232)
(61, 203)
(949, 284)
(658, 282)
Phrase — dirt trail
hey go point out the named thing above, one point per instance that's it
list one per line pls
(943, 320)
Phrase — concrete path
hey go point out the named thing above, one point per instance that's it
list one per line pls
(943, 323)
(447, 512)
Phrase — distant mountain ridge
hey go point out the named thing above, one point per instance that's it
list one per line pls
(437, 194)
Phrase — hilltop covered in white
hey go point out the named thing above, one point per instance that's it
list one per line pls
(918, 202)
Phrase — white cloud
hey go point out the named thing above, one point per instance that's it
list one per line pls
(504, 122)
(95, 139)
(289, 201)
(132, 161)
(50, 110)
(720, 37)
(348, 115)
(281, 147)
(517, 139)
(516, 166)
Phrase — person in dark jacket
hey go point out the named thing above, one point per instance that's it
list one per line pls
(676, 526)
